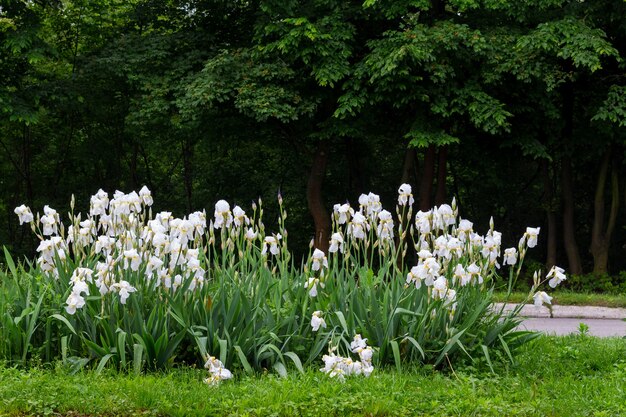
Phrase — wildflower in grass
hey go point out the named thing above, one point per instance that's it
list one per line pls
(318, 260)
(540, 298)
(74, 302)
(531, 236)
(124, 289)
(510, 256)
(404, 195)
(146, 196)
(271, 244)
(556, 275)
(358, 226)
(223, 216)
(24, 214)
(340, 367)
(312, 284)
(358, 343)
(333, 366)
(342, 213)
(365, 354)
(317, 321)
(336, 243)
(385, 226)
(217, 370)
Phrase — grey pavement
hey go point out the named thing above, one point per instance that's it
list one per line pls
(600, 321)
(565, 326)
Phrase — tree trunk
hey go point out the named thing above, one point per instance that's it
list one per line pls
(188, 171)
(134, 177)
(567, 187)
(321, 218)
(442, 174)
(27, 166)
(569, 237)
(550, 207)
(426, 184)
(409, 167)
(601, 237)
(355, 176)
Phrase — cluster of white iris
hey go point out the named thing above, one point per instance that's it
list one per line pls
(120, 235)
(450, 253)
(340, 367)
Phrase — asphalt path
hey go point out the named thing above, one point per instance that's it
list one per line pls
(565, 326)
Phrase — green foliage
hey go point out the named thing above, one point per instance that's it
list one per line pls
(572, 40)
(613, 109)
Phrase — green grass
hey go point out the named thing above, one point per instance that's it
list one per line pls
(571, 298)
(568, 376)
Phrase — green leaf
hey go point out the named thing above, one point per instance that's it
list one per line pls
(121, 347)
(487, 357)
(342, 320)
(296, 361)
(396, 355)
(10, 263)
(223, 350)
(243, 360)
(137, 358)
(103, 363)
(64, 320)
(280, 369)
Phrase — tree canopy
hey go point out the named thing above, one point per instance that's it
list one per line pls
(516, 108)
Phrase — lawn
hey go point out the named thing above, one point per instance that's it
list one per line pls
(570, 298)
(553, 376)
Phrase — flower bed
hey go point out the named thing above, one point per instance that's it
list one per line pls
(121, 286)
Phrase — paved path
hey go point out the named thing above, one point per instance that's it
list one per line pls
(601, 321)
(564, 326)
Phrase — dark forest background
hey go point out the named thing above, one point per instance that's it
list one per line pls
(515, 107)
